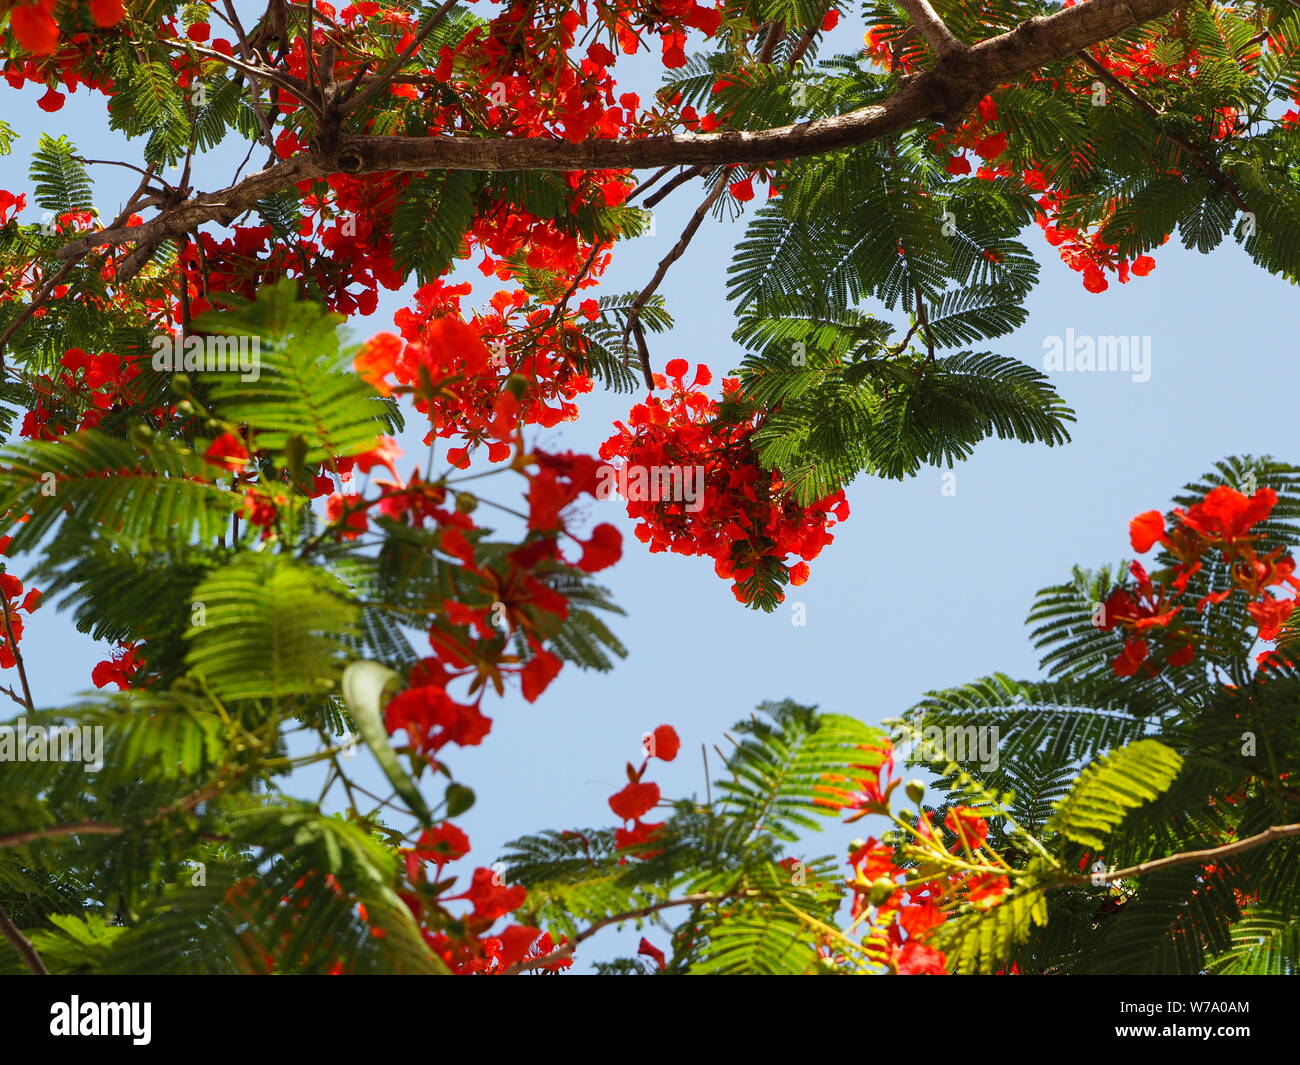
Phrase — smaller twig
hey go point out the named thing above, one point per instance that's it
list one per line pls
(923, 322)
(130, 166)
(1198, 157)
(352, 98)
(16, 651)
(633, 325)
(563, 951)
(676, 183)
(76, 828)
(1212, 854)
(23, 945)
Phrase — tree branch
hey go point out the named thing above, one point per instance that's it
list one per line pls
(16, 651)
(351, 102)
(1198, 156)
(665, 264)
(76, 828)
(562, 952)
(931, 27)
(1269, 835)
(23, 945)
(946, 93)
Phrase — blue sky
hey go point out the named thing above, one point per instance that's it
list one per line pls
(920, 590)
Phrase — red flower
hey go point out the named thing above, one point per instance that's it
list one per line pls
(52, 100)
(348, 508)
(635, 800)
(743, 190)
(991, 147)
(986, 890)
(122, 669)
(970, 827)
(638, 837)
(651, 951)
(916, 959)
(492, 899)
(538, 674)
(603, 549)
(664, 743)
(443, 844)
(1270, 615)
(958, 165)
(432, 719)
(1131, 658)
(226, 452)
(1227, 515)
(1146, 530)
(111, 12)
(377, 359)
(35, 28)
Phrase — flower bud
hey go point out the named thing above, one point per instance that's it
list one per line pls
(881, 891)
(915, 790)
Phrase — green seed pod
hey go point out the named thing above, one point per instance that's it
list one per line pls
(881, 891)
(459, 799)
(295, 457)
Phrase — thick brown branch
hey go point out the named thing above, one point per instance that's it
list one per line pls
(931, 27)
(947, 93)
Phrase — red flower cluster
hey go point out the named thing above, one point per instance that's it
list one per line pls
(1084, 252)
(14, 608)
(103, 379)
(744, 519)
(639, 796)
(1149, 608)
(463, 375)
(124, 668)
(463, 942)
(900, 908)
(36, 29)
